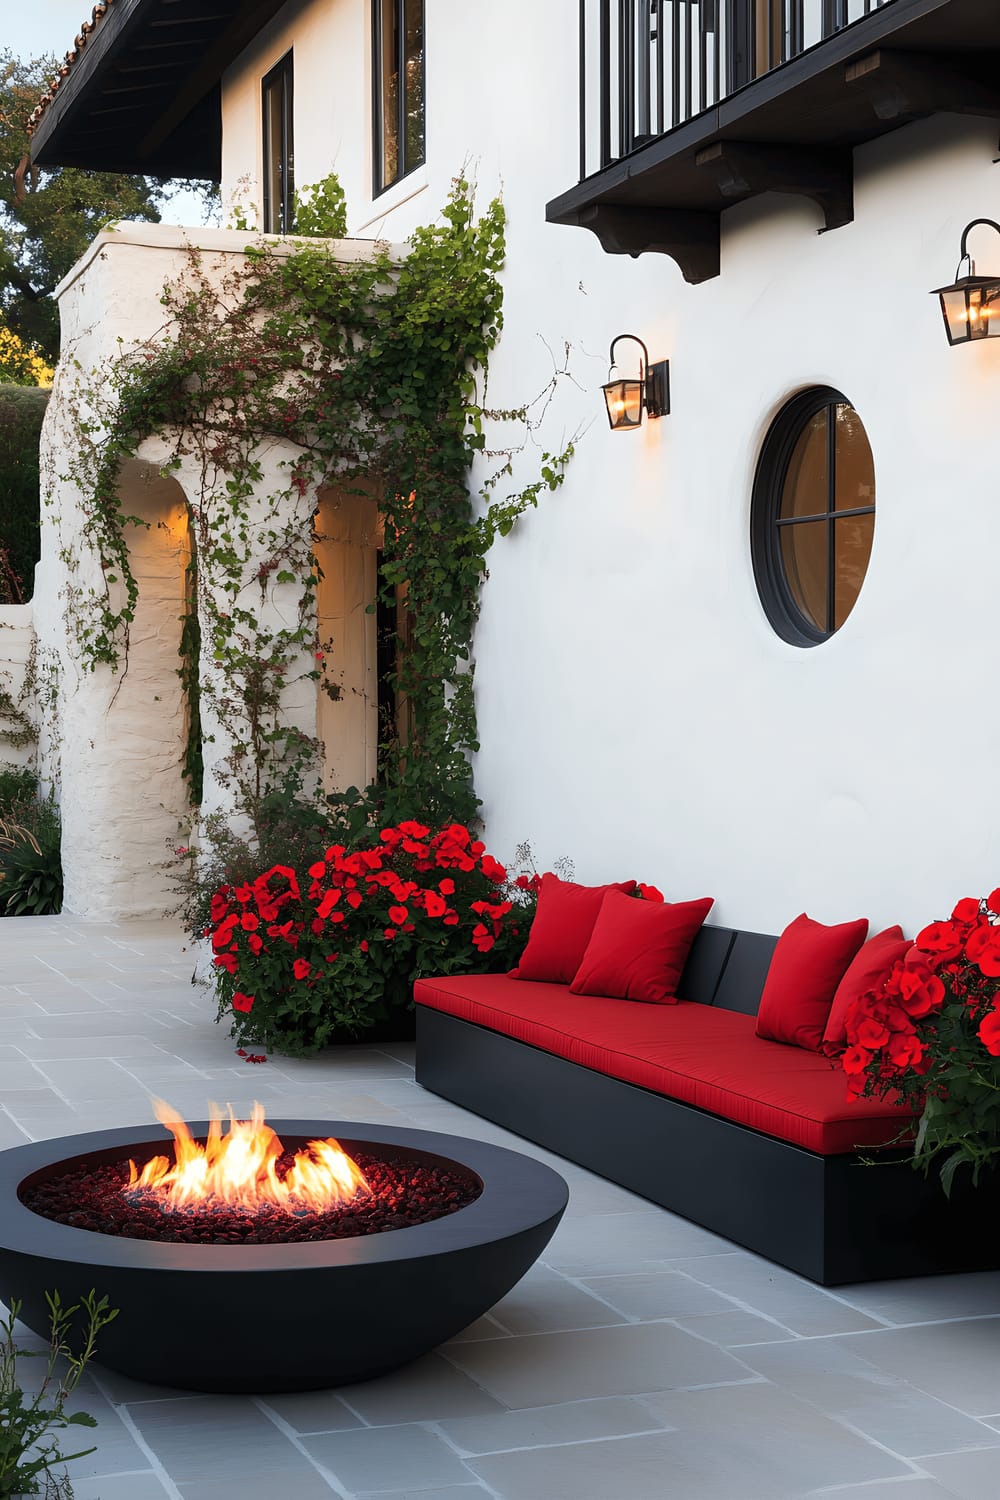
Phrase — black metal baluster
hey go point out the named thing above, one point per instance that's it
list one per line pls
(675, 61)
(605, 82)
(626, 77)
(661, 123)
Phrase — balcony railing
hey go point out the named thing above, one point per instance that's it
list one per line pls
(647, 66)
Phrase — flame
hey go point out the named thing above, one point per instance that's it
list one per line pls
(238, 1170)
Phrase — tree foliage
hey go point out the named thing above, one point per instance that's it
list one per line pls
(48, 216)
(22, 408)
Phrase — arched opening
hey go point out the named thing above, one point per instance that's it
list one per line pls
(347, 542)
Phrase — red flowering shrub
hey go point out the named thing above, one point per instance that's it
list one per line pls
(931, 1035)
(312, 955)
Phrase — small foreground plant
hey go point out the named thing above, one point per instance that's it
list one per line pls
(28, 1447)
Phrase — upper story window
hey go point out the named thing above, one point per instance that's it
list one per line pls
(813, 516)
(279, 148)
(398, 74)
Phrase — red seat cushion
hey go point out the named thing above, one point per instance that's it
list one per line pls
(809, 962)
(638, 949)
(564, 919)
(869, 967)
(694, 1053)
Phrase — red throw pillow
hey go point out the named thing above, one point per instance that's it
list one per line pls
(868, 968)
(809, 962)
(560, 932)
(639, 948)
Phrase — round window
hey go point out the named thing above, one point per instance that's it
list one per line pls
(813, 516)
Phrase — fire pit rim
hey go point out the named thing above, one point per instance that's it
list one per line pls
(517, 1191)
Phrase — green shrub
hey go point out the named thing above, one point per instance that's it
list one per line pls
(327, 949)
(18, 784)
(31, 882)
(21, 411)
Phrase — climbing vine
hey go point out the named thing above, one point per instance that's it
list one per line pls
(307, 365)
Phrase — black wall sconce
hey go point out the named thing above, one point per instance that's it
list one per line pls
(971, 305)
(626, 399)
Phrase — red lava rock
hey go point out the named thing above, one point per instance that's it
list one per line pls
(92, 1198)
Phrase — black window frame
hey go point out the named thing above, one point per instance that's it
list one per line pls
(279, 218)
(766, 522)
(403, 167)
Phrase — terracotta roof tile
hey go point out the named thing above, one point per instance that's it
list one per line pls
(86, 31)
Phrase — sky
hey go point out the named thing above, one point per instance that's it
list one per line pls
(31, 28)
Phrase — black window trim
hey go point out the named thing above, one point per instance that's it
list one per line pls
(279, 218)
(378, 122)
(784, 614)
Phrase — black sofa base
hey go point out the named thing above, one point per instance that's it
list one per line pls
(833, 1219)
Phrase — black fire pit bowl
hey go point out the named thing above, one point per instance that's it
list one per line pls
(289, 1317)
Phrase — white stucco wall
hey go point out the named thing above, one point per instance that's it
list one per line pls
(637, 712)
(17, 637)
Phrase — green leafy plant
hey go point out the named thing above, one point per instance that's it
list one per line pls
(31, 883)
(369, 369)
(18, 784)
(29, 1422)
(329, 949)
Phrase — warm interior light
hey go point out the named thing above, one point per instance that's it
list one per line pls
(969, 304)
(239, 1170)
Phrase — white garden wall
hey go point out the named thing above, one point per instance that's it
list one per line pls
(17, 639)
(637, 712)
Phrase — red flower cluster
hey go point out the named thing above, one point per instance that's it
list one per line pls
(413, 901)
(930, 1031)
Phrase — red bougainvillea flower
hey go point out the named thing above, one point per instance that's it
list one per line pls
(226, 961)
(993, 901)
(301, 968)
(243, 1002)
(942, 938)
(318, 870)
(966, 910)
(905, 1051)
(649, 892)
(398, 914)
(872, 1033)
(255, 944)
(989, 1027)
(492, 869)
(435, 905)
(249, 922)
(920, 992)
(329, 901)
(413, 830)
(446, 886)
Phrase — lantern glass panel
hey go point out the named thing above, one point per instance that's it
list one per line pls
(971, 310)
(624, 403)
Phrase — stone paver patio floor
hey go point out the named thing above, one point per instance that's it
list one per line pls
(642, 1358)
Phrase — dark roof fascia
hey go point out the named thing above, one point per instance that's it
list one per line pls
(161, 145)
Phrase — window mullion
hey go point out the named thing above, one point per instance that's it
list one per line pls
(402, 165)
(831, 508)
